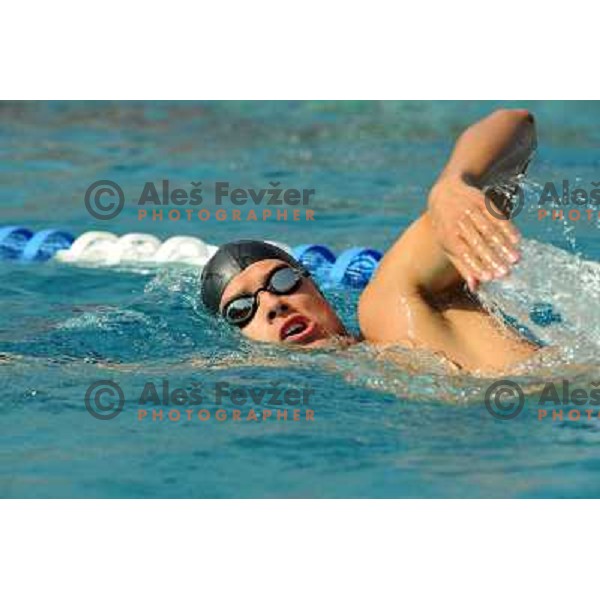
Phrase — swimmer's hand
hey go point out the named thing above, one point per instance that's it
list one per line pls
(480, 246)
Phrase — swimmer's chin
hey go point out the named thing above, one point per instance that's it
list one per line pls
(332, 341)
(318, 340)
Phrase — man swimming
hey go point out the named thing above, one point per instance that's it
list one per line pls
(417, 297)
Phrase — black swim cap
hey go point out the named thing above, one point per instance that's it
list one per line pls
(230, 260)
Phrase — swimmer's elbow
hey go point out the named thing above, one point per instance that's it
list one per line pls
(524, 115)
(521, 115)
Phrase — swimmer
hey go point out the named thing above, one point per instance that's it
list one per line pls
(421, 295)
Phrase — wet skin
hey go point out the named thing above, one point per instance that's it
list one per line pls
(484, 345)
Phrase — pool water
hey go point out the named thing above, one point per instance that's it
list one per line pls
(405, 428)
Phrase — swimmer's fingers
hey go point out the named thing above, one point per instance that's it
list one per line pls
(506, 228)
(501, 232)
(493, 247)
(466, 273)
(469, 265)
(478, 252)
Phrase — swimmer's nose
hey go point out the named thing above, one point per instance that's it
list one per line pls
(273, 305)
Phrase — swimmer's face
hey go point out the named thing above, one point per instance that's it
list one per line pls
(302, 317)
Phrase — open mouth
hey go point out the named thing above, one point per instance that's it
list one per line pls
(297, 329)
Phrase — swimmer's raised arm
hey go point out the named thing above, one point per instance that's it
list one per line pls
(480, 245)
(402, 301)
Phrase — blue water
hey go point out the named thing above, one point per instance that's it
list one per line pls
(406, 429)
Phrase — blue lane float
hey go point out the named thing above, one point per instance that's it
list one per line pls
(354, 267)
(20, 243)
(316, 258)
(45, 244)
(13, 240)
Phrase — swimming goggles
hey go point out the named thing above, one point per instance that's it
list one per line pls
(282, 281)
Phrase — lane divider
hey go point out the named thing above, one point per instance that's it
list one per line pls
(353, 268)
